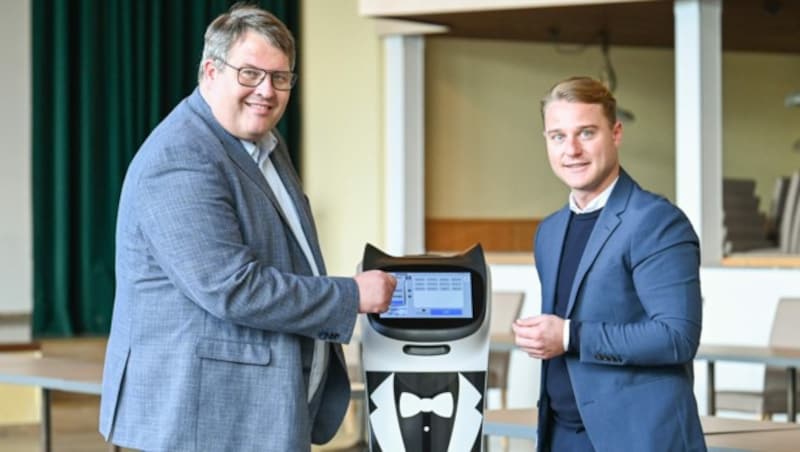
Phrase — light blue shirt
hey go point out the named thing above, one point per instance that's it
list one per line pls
(261, 156)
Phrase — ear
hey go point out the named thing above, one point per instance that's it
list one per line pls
(616, 133)
(210, 70)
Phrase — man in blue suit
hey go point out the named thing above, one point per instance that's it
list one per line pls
(619, 270)
(226, 333)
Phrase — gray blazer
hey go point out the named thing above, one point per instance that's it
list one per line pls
(215, 309)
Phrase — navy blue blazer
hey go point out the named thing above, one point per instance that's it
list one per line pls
(637, 295)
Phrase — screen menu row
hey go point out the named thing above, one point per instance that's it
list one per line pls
(431, 295)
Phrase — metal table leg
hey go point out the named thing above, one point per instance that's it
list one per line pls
(711, 400)
(46, 440)
(791, 394)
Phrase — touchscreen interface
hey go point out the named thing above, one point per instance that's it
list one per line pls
(431, 295)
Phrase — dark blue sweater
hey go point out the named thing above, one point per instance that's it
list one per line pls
(559, 388)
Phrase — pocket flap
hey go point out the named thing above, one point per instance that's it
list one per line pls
(236, 352)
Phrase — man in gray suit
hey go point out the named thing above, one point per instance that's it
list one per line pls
(226, 333)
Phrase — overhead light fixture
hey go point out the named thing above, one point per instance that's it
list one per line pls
(607, 75)
(792, 100)
(609, 78)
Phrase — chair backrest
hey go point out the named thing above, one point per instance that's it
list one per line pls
(785, 331)
(777, 205)
(789, 213)
(784, 334)
(506, 307)
(794, 237)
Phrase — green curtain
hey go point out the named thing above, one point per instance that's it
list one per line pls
(105, 72)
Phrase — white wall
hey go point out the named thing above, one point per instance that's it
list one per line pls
(342, 139)
(16, 258)
(482, 118)
(738, 308)
(343, 158)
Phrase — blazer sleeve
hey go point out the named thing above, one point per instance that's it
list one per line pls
(663, 260)
(189, 220)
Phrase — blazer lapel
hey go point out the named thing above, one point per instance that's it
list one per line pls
(236, 152)
(280, 158)
(232, 146)
(549, 270)
(607, 222)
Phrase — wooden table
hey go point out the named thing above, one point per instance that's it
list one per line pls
(51, 374)
(713, 425)
(788, 358)
(755, 441)
(68, 375)
(722, 434)
(512, 422)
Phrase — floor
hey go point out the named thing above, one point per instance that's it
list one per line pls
(74, 428)
(74, 416)
(74, 421)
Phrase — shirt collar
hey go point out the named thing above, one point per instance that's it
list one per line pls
(268, 145)
(596, 204)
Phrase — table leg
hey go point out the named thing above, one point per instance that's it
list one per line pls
(711, 391)
(46, 440)
(791, 394)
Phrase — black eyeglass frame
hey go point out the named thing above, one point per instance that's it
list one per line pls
(272, 74)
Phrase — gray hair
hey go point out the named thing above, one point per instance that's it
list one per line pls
(229, 27)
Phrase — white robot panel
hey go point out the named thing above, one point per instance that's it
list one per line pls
(425, 360)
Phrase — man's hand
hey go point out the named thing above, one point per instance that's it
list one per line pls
(375, 290)
(540, 336)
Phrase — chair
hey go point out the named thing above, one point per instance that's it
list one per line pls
(744, 224)
(777, 206)
(794, 238)
(506, 307)
(773, 398)
(789, 213)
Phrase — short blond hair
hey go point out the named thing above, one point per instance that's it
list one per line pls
(585, 90)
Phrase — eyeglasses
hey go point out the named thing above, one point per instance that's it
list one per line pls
(252, 77)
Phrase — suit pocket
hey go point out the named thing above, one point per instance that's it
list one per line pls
(235, 352)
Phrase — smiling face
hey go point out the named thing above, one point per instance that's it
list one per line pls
(582, 147)
(247, 113)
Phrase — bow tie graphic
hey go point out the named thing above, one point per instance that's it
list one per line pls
(411, 405)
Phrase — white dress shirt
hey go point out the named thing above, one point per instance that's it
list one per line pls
(596, 204)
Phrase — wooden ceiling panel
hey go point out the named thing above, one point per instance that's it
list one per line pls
(749, 25)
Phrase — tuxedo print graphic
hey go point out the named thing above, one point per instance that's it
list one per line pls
(425, 412)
